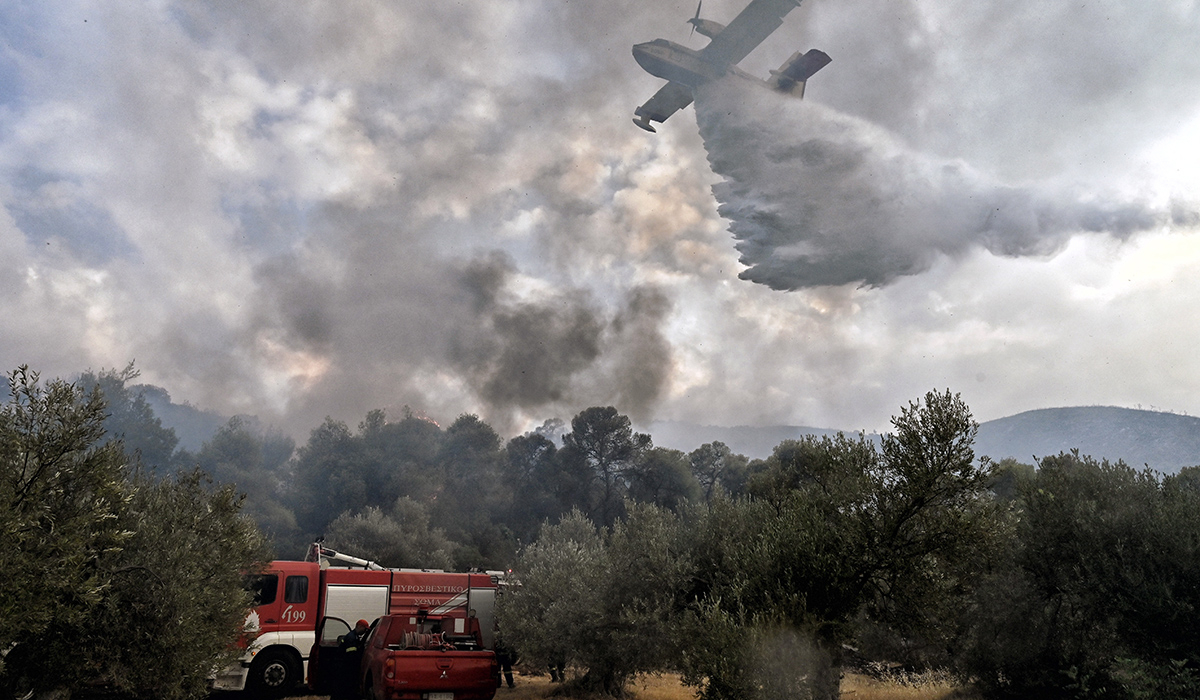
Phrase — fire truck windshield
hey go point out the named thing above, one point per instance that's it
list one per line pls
(264, 586)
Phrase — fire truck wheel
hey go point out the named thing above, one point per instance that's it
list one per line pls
(274, 672)
(13, 683)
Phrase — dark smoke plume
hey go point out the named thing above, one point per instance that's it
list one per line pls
(524, 353)
(563, 349)
(642, 362)
(817, 197)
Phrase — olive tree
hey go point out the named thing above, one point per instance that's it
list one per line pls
(111, 576)
(61, 495)
(601, 600)
(836, 534)
(401, 537)
(175, 601)
(1098, 596)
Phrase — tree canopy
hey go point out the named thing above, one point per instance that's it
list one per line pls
(111, 575)
(1066, 578)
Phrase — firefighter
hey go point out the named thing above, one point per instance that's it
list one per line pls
(352, 644)
(506, 657)
(353, 640)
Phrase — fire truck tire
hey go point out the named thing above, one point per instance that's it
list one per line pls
(274, 673)
(13, 683)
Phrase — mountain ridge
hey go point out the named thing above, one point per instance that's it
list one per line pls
(1163, 441)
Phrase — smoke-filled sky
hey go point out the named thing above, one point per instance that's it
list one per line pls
(299, 209)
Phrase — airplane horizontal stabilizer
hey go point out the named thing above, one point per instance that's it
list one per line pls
(792, 75)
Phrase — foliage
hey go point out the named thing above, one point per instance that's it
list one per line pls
(531, 467)
(1100, 596)
(602, 600)
(105, 569)
(176, 585)
(1075, 579)
(837, 533)
(936, 526)
(401, 538)
(663, 477)
(406, 452)
(1009, 477)
(645, 577)
(61, 497)
(1148, 680)
(256, 461)
(768, 574)
(717, 468)
(604, 441)
(130, 418)
(454, 474)
(562, 577)
(473, 494)
(333, 474)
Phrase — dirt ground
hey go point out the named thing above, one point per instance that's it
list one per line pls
(668, 687)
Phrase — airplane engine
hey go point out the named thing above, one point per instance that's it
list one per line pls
(707, 27)
(791, 76)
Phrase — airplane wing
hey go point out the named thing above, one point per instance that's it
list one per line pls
(746, 31)
(669, 99)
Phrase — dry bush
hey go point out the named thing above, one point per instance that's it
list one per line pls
(905, 686)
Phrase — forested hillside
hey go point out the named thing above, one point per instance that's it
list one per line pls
(410, 492)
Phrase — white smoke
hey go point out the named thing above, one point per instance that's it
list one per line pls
(816, 197)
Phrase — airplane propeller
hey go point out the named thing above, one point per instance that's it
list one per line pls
(695, 19)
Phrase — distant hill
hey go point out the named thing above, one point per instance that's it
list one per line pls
(1164, 441)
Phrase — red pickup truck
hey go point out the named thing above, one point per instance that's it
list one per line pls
(408, 658)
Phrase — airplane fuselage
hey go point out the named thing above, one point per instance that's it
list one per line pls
(679, 64)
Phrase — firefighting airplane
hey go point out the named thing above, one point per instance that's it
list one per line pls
(687, 69)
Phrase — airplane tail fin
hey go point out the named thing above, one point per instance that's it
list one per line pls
(795, 71)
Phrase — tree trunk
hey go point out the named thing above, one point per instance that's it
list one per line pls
(604, 681)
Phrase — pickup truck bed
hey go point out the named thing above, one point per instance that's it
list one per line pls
(426, 667)
(431, 675)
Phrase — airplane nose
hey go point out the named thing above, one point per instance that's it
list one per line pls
(641, 55)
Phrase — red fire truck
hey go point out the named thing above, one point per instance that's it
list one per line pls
(294, 598)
